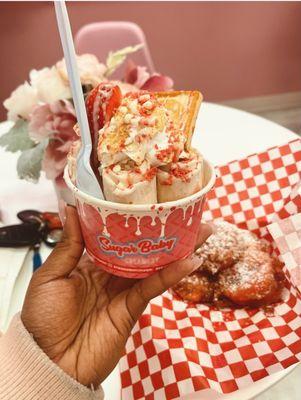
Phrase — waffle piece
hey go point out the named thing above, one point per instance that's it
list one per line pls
(196, 288)
(184, 107)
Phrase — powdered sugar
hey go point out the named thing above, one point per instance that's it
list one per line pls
(224, 247)
(234, 265)
(253, 271)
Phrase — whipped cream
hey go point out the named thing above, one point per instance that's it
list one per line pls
(141, 130)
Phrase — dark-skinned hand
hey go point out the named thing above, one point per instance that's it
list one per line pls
(81, 316)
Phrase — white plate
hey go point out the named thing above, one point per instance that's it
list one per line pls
(222, 134)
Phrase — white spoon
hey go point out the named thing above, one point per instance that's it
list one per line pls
(86, 179)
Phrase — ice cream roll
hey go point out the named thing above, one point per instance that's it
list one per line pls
(128, 183)
(180, 179)
(71, 159)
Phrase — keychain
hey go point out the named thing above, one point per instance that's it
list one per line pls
(36, 227)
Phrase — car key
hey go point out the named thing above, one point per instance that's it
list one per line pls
(37, 226)
(26, 234)
(52, 219)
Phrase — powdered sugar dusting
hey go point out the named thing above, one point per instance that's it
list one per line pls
(235, 267)
(253, 273)
(225, 247)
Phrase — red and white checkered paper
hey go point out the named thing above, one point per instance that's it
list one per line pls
(176, 348)
(287, 236)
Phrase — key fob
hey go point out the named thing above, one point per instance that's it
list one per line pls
(30, 216)
(48, 223)
(52, 220)
(26, 234)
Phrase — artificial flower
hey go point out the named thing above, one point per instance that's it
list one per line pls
(21, 102)
(47, 120)
(158, 83)
(54, 160)
(91, 71)
(54, 121)
(140, 78)
(135, 74)
(49, 85)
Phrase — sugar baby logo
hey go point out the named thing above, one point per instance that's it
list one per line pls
(145, 246)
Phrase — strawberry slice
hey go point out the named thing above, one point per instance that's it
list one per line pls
(101, 104)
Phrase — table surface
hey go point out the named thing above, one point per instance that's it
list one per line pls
(222, 134)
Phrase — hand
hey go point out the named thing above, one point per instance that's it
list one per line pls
(81, 316)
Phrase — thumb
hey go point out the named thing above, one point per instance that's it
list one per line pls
(67, 253)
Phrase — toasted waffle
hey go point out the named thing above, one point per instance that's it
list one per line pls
(184, 106)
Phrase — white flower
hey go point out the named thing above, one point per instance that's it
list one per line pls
(49, 85)
(90, 70)
(21, 102)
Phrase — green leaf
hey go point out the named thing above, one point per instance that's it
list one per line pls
(17, 138)
(30, 162)
(115, 59)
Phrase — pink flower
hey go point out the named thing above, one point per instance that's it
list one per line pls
(158, 83)
(139, 77)
(54, 121)
(54, 160)
(47, 120)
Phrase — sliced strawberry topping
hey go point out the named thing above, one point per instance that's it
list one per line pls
(101, 103)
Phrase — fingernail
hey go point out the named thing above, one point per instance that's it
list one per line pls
(195, 261)
(68, 208)
(198, 251)
(204, 233)
(213, 227)
(209, 229)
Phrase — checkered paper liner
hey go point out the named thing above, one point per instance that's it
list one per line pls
(177, 348)
(287, 236)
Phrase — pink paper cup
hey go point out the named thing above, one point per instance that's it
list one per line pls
(134, 241)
